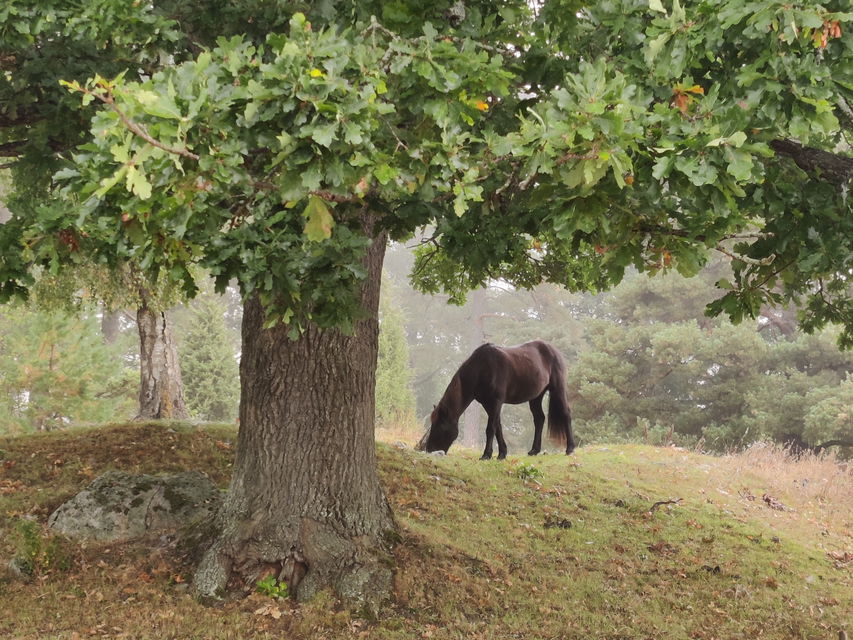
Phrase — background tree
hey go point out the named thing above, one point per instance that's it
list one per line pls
(395, 401)
(40, 44)
(161, 394)
(647, 365)
(209, 366)
(56, 371)
(562, 145)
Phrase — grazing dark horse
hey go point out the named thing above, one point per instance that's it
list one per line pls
(494, 376)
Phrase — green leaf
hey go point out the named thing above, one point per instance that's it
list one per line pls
(724, 283)
(110, 181)
(251, 110)
(352, 133)
(737, 139)
(324, 135)
(138, 183)
(155, 104)
(662, 167)
(319, 220)
(654, 47)
(740, 164)
(656, 5)
(203, 61)
(384, 173)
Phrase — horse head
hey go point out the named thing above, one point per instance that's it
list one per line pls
(442, 432)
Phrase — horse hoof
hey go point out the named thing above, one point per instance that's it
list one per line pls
(501, 456)
(533, 452)
(486, 457)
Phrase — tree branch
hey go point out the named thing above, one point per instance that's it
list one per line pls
(138, 129)
(833, 443)
(830, 166)
(12, 149)
(26, 118)
(763, 262)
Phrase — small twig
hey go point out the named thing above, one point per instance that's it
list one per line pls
(748, 236)
(422, 266)
(592, 155)
(758, 263)
(663, 502)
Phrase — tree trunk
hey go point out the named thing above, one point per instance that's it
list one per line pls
(161, 392)
(305, 502)
(472, 423)
(110, 325)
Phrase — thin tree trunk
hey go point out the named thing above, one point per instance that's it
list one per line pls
(305, 502)
(472, 423)
(110, 325)
(161, 392)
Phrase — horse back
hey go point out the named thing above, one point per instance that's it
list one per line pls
(513, 374)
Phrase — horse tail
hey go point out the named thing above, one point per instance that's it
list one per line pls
(559, 414)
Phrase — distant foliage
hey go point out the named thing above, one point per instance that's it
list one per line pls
(647, 365)
(651, 373)
(208, 363)
(395, 400)
(55, 370)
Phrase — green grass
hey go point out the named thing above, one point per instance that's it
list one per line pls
(488, 550)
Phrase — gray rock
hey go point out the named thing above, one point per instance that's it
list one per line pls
(120, 505)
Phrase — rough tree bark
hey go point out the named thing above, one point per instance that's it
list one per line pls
(161, 391)
(305, 502)
(832, 167)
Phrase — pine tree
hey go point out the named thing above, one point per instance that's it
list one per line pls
(210, 375)
(395, 400)
(55, 370)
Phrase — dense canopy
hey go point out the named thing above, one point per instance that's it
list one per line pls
(564, 142)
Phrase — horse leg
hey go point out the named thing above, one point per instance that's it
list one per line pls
(538, 423)
(490, 432)
(495, 418)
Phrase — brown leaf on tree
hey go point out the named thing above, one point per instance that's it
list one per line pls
(681, 101)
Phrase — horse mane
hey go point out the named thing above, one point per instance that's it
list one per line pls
(452, 398)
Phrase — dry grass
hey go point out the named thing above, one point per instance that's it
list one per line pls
(408, 433)
(807, 477)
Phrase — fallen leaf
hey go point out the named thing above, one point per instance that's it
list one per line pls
(841, 558)
(773, 503)
(662, 547)
(268, 610)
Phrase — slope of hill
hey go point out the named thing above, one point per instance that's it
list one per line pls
(614, 543)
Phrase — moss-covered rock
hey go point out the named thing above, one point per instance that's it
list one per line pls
(120, 505)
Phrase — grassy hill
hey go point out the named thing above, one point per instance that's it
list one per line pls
(614, 542)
